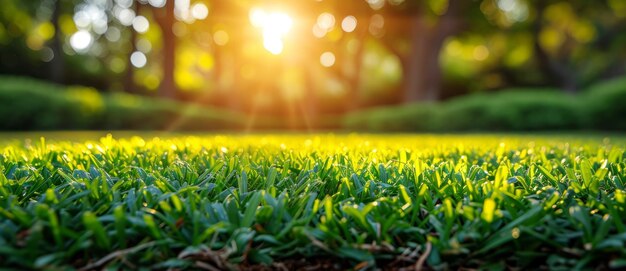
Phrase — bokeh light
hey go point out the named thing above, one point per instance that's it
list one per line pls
(274, 27)
(126, 16)
(326, 21)
(376, 4)
(81, 40)
(113, 34)
(138, 59)
(480, 53)
(199, 11)
(47, 54)
(318, 32)
(274, 46)
(124, 3)
(349, 23)
(377, 24)
(221, 37)
(157, 3)
(327, 59)
(144, 45)
(141, 24)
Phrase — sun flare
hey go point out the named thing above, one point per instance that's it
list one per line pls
(274, 26)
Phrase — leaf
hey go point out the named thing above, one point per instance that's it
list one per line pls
(152, 227)
(582, 215)
(489, 207)
(585, 169)
(243, 183)
(504, 234)
(547, 173)
(405, 195)
(43, 261)
(259, 256)
(56, 228)
(355, 254)
(95, 227)
(271, 177)
(328, 208)
(615, 155)
(501, 174)
(250, 212)
(120, 224)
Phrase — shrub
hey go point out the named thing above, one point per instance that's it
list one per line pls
(512, 110)
(607, 103)
(28, 104)
(463, 114)
(129, 112)
(518, 110)
(415, 117)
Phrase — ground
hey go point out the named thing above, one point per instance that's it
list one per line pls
(289, 201)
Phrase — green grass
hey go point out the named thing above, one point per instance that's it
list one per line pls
(338, 201)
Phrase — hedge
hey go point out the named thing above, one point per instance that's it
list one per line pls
(28, 104)
(600, 107)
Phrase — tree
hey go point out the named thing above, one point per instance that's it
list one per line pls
(57, 64)
(571, 41)
(165, 18)
(426, 30)
(129, 75)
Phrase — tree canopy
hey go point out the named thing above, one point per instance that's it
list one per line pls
(315, 54)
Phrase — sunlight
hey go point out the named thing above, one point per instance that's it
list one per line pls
(81, 40)
(327, 59)
(274, 25)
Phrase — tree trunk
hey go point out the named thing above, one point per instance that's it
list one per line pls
(310, 102)
(165, 19)
(354, 93)
(421, 69)
(559, 72)
(129, 76)
(57, 65)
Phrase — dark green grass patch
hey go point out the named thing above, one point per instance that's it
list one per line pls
(343, 202)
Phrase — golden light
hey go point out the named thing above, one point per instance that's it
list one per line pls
(349, 24)
(319, 32)
(274, 46)
(326, 21)
(327, 59)
(274, 26)
(221, 37)
(199, 11)
(376, 4)
(257, 16)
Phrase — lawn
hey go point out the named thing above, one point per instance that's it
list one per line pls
(317, 201)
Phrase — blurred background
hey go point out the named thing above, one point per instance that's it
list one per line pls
(373, 65)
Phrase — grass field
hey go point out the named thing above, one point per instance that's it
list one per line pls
(317, 201)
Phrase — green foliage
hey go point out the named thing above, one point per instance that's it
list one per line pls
(401, 118)
(132, 112)
(607, 102)
(31, 104)
(509, 110)
(28, 104)
(223, 202)
(516, 110)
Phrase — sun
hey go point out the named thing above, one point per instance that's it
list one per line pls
(274, 26)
